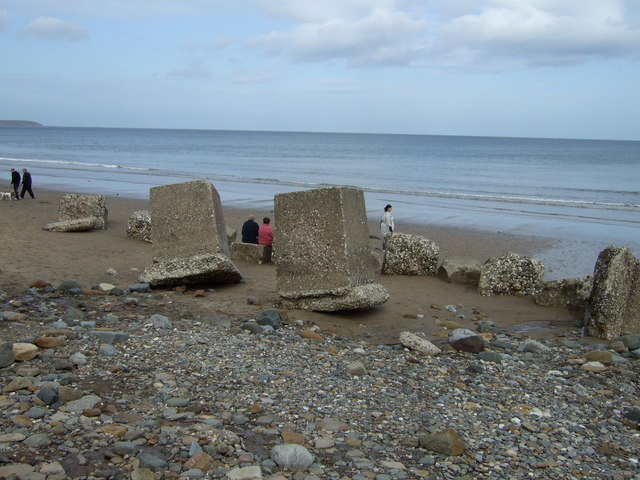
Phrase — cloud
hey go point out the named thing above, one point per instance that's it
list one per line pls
(214, 46)
(526, 35)
(375, 36)
(490, 34)
(194, 70)
(48, 28)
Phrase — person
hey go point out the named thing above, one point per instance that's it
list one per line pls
(26, 184)
(386, 225)
(265, 233)
(250, 230)
(15, 182)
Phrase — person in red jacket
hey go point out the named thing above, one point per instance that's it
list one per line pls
(265, 232)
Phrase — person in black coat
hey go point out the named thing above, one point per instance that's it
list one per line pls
(26, 184)
(15, 182)
(250, 230)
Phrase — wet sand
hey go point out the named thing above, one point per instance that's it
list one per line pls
(415, 303)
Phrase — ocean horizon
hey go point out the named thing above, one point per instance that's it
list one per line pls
(583, 194)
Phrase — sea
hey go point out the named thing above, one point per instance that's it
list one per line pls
(583, 194)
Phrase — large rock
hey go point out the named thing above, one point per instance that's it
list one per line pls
(410, 255)
(189, 236)
(570, 293)
(139, 226)
(461, 270)
(76, 225)
(323, 252)
(614, 305)
(79, 205)
(250, 252)
(511, 274)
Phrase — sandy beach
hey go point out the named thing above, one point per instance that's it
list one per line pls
(415, 303)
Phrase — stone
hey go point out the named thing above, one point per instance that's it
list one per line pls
(292, 456)
(109, 336)
(251, 253)
(328, 272)
(139, 226)
(74, 206)
(511, 274)
(419, 344)
(570, 293)
(84, 224)
(23, 352)
(594, 367)
(603, 356)
(6, 354)
(10, 316)
(410, 255)
(245, 473)
(357, 369)
(460, 270)
(201, 461)
(269, 317)
(614, 305)
(68, 285)
(190, 245)
(51, 342)
(16, 470)
(447, 442)
(472, 344)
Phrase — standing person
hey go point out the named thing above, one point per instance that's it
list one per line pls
(15, 182)
(26, 184)
(386, 225)
(265, 233)
(250, 230)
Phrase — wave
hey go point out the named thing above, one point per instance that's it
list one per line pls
(73, 163)
(68, 167)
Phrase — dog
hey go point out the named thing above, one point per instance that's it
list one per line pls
(7, 196)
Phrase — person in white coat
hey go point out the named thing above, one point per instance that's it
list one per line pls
(386, 225)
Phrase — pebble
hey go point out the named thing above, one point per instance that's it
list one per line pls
(152, 388)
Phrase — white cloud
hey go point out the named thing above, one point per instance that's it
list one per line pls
(527, 35)
(489, 34)
(372, 36)
(48, 28)
(194, 70)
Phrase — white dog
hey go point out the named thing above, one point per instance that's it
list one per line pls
(7, 196)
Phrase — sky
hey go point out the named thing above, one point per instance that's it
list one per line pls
(516, 68)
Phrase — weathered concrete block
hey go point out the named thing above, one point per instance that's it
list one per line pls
(75, 225)
(189, 236)
(187, 220)
(570, 293)
(511, 274)
(250, 252)
(461, 270)
(410, 255)
(232, 233)
(79, 205)
(139, 226)
(614, 306)
(322, 245)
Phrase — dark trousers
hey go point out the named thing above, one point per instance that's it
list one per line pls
(15, 191)
(26, 188)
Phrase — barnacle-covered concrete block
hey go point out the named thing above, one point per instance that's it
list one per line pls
(614, 306)
(323, 252)
(511, 274)
(410, 255)
(75, 225)
(73, 206)
(189, 236)
(570, 293)
(461, 270)
(139, 226)
(251, 252)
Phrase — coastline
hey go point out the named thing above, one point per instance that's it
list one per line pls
(415, 302)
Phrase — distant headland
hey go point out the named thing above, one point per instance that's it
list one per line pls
(19, 123)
